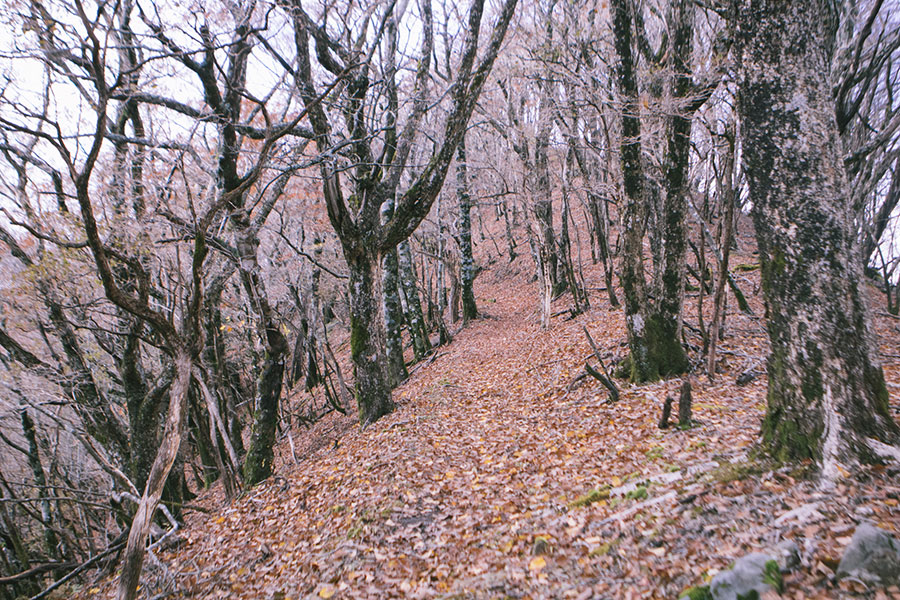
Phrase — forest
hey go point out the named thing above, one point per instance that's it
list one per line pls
(437, 299)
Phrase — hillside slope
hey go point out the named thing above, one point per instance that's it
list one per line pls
(475, 487)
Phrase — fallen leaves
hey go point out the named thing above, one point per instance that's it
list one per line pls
(490, 451)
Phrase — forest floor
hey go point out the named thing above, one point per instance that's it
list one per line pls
(478, 485)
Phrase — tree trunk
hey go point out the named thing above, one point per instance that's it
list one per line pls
(373, 390)
(260, 454)
(827, 397)
(466, 262)
(670, 302)
(726, 193)
(393, 318)
(653, 335)
(165, 458)
(40, 481)
(414, 316)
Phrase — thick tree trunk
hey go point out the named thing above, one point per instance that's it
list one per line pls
(827, 398)
(466, 262)
(642, 365)
(373, 390)
(653, 334)
(670, 302)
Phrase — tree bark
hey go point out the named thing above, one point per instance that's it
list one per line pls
(415, 318)
(393, 317)
(466, 262)
(165, 458)
(827, 398)
(373, 390)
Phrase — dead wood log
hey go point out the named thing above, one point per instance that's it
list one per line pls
(604, 377)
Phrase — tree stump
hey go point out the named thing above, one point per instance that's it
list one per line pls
(667, 411)
(684, 405)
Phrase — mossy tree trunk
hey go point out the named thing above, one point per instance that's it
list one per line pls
(670, 296)
(415, 317)
(466, 262)
(393, 314)
(654, 327)
(373, 388)
(260, 454)
(827, 399)
(643, 366)
(377, 168)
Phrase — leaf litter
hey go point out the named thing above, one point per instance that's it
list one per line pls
(500, 475)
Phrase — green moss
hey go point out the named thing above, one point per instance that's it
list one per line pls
(359, 338)
(601, 550)
(743, 267)
(785, 440)
(655, 452)
(728, 472)
(595, 495)
(875, 383)
(638, 493)
(778, 263)
(623, 371)
(772, 576)
(698, 592)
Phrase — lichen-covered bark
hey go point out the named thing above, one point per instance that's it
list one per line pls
(653, 327)
(827, 397)
(393, 314)
(466, 262)
(373, 390)
(260, 454)
(415, 318)
(542, 203)
(632, 276)
(670, 302)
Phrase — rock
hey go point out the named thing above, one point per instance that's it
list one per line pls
(804, 514)
(873, 557)
(751, 577)
(787, 555)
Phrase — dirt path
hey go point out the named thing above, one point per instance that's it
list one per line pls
(470, 488)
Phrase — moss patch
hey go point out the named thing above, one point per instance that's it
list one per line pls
(595, 495)
(698, 592)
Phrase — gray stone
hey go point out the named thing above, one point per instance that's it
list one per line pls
(748, 579)
(873, 557)
(787, 554)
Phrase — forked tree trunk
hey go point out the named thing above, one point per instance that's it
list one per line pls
(670, 304)
(827, 397)
(165, 458)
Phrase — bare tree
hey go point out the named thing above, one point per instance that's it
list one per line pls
(377, 177)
